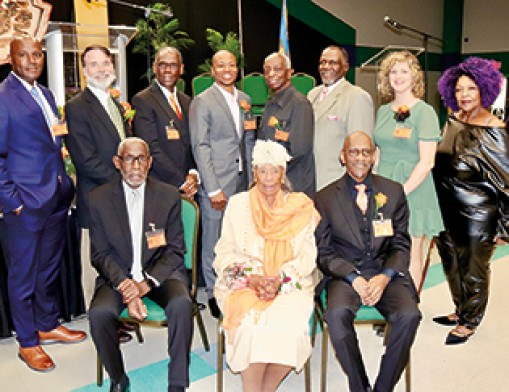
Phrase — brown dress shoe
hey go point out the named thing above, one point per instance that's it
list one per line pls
(36, 359)
(62, 335)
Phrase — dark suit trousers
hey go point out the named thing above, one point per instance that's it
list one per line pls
(173, 297)
(398, 305)
(34, 264)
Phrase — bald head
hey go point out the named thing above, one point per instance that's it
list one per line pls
(358, 155)
(26, 58)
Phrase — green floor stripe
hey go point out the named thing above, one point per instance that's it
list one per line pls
(155, 375)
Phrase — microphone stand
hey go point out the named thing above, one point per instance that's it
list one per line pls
(425, 41)
(146, 11)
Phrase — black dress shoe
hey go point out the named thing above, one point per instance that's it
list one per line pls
(176, 389)
(445, 320)
(457, 336)
(214, 309)
(124, 337)
(122, 386)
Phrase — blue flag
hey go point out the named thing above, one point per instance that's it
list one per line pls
(284, 46)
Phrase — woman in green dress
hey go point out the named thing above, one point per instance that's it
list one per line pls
(406, 134)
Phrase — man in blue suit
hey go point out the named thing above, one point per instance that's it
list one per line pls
(35, 194)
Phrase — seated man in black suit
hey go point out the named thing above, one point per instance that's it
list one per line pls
(144, 209)
(364, 253)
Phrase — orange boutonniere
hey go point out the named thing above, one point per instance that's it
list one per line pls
(402, 113)
(115, 93)
(244, 105)
(129, 112)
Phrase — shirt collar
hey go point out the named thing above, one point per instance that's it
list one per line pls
(226, 94)
(166, 91)
(131, 191)
(368, 181)
(99, 93)
(283, 98)
(334, 85)
(25, 84)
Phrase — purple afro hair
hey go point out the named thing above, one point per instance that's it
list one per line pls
(483, 72)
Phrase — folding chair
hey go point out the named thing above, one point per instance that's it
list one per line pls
(201, 82)
(303, 82)
(254, 86)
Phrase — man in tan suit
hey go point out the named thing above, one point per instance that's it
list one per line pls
(340, 109)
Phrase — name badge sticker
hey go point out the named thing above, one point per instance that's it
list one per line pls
(383, 228)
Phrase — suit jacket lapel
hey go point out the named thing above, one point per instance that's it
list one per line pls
(100, 112)
(150, 215)
(322, 108)
(163, 103)
(118, 204)
(346, 206)
(24, 96)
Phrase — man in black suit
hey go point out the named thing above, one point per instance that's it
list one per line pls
(162, 121)
(364, 253)
(96, 127)
(138, 250)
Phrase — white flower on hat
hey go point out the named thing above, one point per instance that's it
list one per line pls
(267, 151)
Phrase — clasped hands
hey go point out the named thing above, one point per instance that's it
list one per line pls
(371, 290)
(266, 288)
(132, 294)
(190, 187)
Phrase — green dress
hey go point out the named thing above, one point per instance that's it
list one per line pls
(398, 157)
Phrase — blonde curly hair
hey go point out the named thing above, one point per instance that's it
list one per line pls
(384, 86)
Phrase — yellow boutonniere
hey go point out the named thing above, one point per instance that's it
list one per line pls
(244, 105)
(380, 200)
(274, 122)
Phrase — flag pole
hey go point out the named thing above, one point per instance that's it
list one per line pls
(241, 35)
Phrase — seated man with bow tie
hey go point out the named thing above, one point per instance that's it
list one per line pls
(138, 250)
(364, 253)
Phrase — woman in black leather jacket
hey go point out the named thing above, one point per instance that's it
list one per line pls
(471, 177)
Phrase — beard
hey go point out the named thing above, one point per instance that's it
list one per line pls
(102, 83)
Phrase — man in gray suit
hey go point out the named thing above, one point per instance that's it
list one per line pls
(222, 146)
(340, 109)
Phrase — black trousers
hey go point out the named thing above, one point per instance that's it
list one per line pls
(399, 307)
(467, 268)
(173, 296)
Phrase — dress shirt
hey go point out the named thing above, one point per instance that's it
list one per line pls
(101, 95)
(135, 201)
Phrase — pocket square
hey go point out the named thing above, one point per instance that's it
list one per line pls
(333, 117)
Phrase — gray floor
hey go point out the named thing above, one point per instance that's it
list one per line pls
(479, 365)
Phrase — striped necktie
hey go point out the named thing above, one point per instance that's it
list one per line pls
(362, 198)
(47, 116)
(175, 107)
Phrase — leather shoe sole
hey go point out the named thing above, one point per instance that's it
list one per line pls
(36, 359)
(61, 334)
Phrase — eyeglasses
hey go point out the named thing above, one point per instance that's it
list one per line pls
(129, 159)
(355, 152)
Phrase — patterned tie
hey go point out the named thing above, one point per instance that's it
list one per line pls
(362, 198)
(116, 118)
(175, 107)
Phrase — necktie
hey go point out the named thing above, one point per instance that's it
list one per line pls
(362, 198)
(38, 99)
(175, 107)
(116, 118)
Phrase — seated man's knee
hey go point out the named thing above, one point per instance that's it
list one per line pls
(340, 321)
(99, 315)
(410, 317)
(181, 304)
